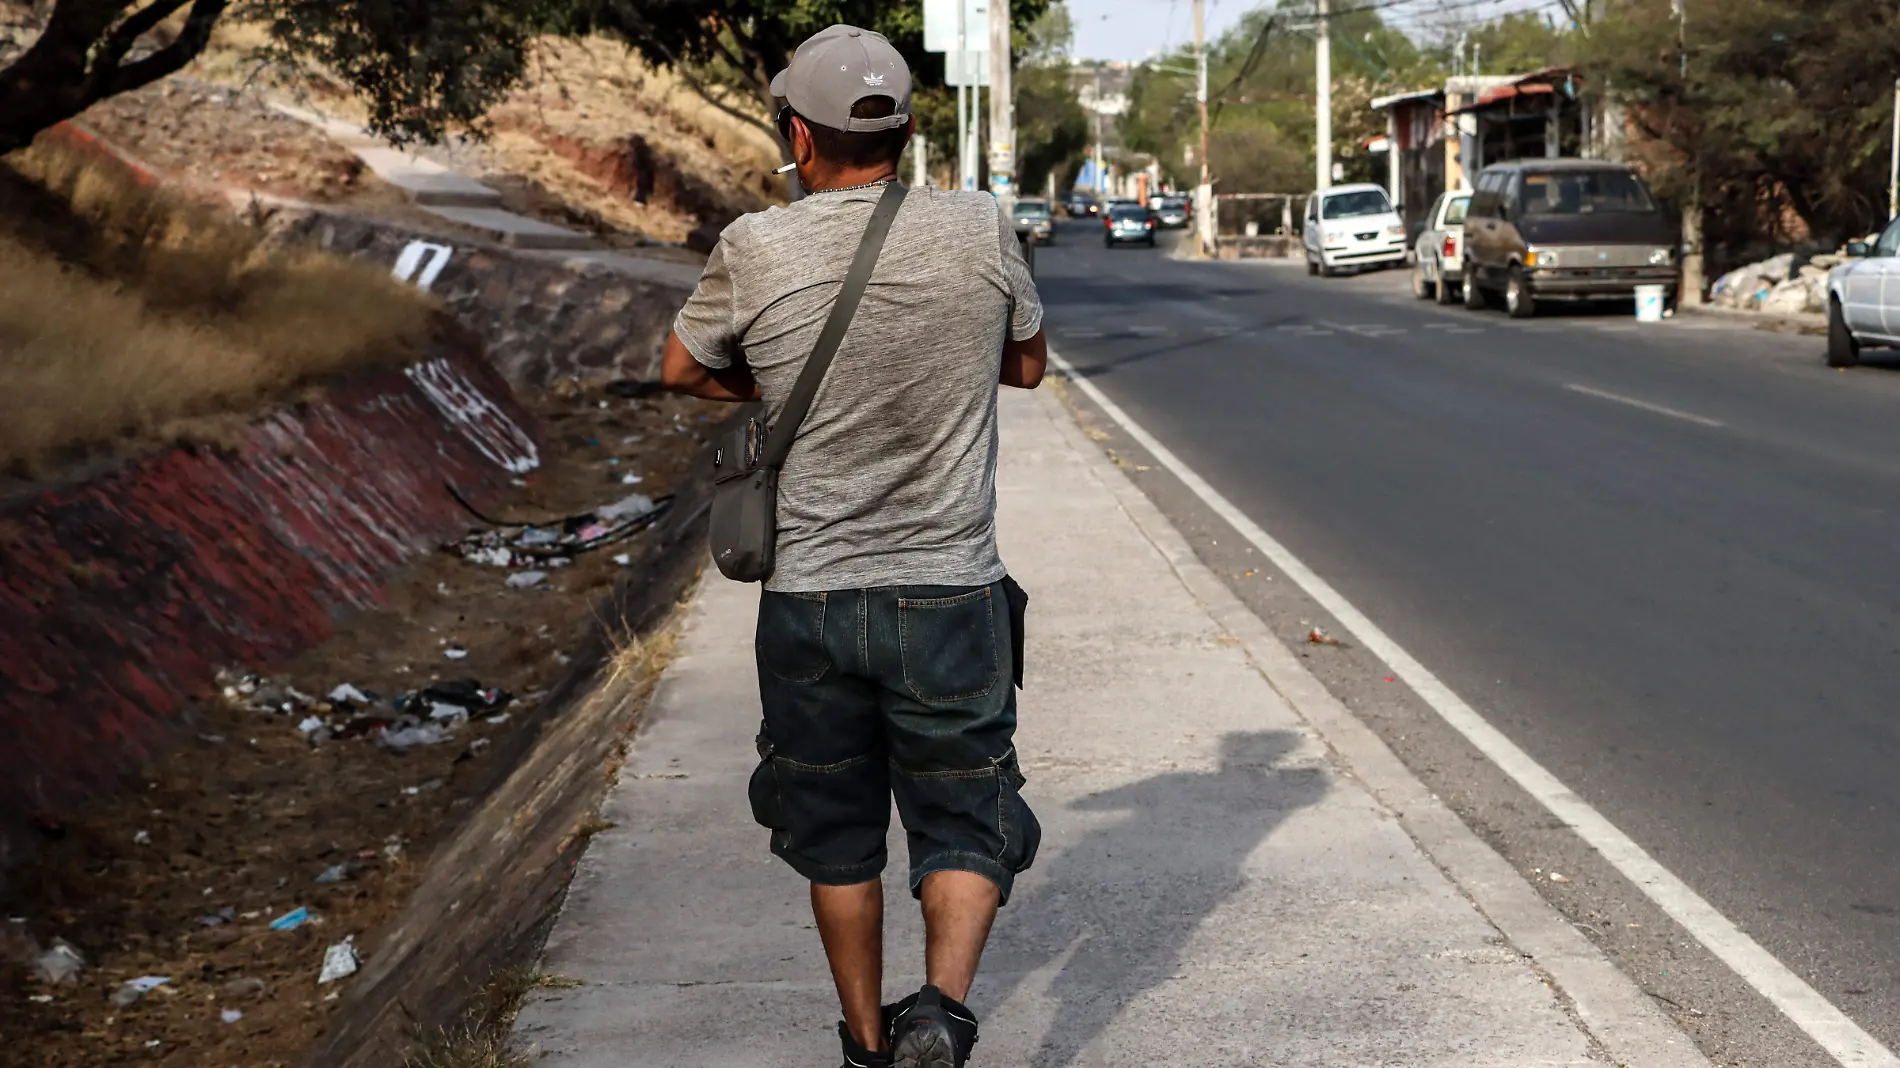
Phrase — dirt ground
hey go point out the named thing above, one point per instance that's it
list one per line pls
(219, 137)
(182, 874)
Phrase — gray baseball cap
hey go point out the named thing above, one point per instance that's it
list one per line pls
(839, 66)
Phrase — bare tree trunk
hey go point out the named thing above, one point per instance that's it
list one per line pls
(1693, 274)
(79, 60)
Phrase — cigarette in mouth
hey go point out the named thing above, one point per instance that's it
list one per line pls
(787, 167)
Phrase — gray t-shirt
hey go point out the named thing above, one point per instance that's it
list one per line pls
(892, 478)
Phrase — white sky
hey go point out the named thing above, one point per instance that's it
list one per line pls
(1134, 30)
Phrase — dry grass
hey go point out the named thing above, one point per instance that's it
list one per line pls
(129, 318)
(481, 1040)
(593, 96)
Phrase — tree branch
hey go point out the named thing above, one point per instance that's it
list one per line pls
(106, 57)
(173, 57)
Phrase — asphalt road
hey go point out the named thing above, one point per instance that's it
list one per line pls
(1660, 558)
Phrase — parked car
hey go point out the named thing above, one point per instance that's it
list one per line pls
(1081, 205)
(1439, 251)
(1173, 213)
(1565, 229)
(1861, 313)
(1351, 226)
(1034, 223)
(1128, 222)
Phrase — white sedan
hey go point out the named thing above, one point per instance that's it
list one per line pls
(1863, 299)
(1438, 252)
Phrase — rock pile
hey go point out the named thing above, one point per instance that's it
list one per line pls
(1789, 283)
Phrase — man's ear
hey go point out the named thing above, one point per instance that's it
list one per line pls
(802, 150)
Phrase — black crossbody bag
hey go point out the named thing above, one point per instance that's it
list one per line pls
(743, 529)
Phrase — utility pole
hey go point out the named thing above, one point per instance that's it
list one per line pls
(1002, 109)
(1101, 163)
(1323, 111)
(1893, 184)
(1204, 192)
(963, 93)
(1689, 289)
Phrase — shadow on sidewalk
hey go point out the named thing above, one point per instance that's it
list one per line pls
(1122, 903)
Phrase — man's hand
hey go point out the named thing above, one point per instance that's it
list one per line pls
(1024, 361)
(681, 373)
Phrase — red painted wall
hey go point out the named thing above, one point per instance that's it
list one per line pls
(120, 597)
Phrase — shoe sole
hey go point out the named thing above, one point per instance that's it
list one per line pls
(927, 1045)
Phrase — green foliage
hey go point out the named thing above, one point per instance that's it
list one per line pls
(422, 65)
(1052, 130)
(738, 45)
(1518, 42)
(1781, 104)
(1261, 92)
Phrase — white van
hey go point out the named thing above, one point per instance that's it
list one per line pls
(1351, 226)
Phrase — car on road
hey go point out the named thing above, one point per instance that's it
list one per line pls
(1173, 213)
(1128, 222)
(1081, 205)
(1863, 299)
(1034, 222)
(1565, 229)
(1439, 250)
(1351, 226)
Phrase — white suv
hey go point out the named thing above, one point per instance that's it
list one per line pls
(1351, 226)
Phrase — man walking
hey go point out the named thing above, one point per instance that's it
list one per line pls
(885, 640)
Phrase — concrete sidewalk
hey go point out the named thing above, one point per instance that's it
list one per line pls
(1213, 889)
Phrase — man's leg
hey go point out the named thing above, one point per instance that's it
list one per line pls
(943, 657)
(959, 907)
(823, 786)
(851, 923)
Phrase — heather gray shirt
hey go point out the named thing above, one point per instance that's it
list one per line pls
(892, 478)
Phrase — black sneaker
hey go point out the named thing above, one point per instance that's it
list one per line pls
(929, 1030)
(856, 1056)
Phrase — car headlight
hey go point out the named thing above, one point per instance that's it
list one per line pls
(1535, 258)
(1395, 231)
(1660, 257)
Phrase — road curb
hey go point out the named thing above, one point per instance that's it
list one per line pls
(1612, 1010)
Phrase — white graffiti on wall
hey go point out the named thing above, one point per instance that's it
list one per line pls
(414, 255)
(479, 419)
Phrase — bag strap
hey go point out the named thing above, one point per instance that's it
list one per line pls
(778, 443)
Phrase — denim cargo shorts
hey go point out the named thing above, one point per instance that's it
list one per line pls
(895, 691)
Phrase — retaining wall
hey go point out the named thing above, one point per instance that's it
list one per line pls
(123, 594)
(541, 316)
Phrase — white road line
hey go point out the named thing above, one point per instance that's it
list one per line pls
(1673, 413)
(1367, 329)
(1829, 1027)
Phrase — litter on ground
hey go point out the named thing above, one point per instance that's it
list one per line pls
(132, 990)
(291, 920)
(339, 961)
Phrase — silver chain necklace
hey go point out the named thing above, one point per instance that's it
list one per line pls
(879, 184)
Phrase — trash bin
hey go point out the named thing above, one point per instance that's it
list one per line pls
(1649, 303)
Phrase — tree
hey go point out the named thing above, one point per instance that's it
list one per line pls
(1261, 93)
(422, 65)
(1773, 104)
(728, 50)
(1052, 130)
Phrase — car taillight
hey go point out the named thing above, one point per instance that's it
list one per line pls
(1451, 245)
(1151, 224)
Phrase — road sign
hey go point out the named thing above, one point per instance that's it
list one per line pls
(975, 70)
(940, 25)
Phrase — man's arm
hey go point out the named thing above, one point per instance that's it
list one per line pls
(1025, 361)
(681, 373)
